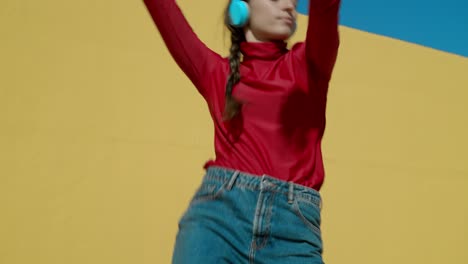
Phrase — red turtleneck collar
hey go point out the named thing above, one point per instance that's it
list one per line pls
(263, 50)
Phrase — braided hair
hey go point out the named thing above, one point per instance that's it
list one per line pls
(232, 106)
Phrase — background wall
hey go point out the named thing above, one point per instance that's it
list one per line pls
(102, 140)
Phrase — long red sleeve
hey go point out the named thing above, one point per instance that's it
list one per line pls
(191, 54)
(322, 35)
(322, 40)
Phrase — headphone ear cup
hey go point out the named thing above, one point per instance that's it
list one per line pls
(238, 13)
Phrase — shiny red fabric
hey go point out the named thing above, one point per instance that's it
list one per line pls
(284, 92)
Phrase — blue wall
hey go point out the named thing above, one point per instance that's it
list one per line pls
(441, 25)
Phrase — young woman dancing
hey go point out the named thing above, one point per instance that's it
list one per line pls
(259, 200)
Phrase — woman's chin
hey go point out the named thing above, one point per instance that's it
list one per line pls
(285, 34)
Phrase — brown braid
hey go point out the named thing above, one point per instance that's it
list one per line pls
(232, 106)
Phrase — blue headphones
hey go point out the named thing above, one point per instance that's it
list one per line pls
(238, 13)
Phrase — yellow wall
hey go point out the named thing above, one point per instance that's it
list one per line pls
(102, 140)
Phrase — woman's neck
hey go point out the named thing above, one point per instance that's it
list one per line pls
(251, 37)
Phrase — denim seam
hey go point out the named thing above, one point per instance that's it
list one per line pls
(249, 186)
(268, 221)
(215, 173)
(252, 251)
(254, 187)
(312, 201)
(213, 193)
(297, 209)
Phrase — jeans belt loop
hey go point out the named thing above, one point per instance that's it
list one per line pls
(291, 193)
(232, 180)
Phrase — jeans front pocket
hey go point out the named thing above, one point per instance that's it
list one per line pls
(207, 191)
(309, 213)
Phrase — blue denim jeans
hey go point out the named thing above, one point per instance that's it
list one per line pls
(235, 217)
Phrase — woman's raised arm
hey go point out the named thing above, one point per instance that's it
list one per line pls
(194, 58)
(322, 40)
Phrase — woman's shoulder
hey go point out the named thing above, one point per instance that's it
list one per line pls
(297, 49)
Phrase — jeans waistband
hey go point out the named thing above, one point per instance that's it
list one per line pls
(231, 178)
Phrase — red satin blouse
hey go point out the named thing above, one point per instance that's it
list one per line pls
(284, 92)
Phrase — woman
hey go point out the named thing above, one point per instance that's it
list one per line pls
(259, 201)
